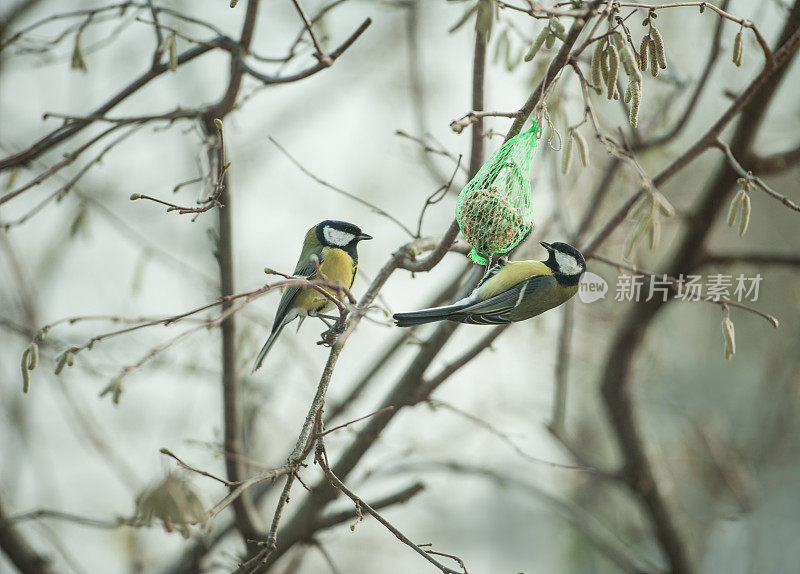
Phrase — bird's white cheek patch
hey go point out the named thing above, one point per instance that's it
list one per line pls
(337, 237)
(567, 264)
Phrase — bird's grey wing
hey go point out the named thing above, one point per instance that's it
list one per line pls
(286, 300)
(492, 272)
(497, 310)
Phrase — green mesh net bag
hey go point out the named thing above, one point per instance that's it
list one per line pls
(494, 209)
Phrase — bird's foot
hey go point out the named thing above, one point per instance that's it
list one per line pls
(328, 338)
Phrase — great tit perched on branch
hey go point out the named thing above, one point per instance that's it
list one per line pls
(512, 291)
(334, 245)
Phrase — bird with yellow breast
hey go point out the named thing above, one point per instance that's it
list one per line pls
(512, 291)
(334, 245)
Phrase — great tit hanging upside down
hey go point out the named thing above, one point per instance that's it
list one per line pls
(512, 291)
(334, 244)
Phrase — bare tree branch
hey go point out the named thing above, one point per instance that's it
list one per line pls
(752, 258)
(341, 191)
(17, 548)
(616, 379)
(321, 459)
(737, 167)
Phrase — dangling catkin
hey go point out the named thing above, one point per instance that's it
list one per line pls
(583, 149)
(653, 59)
(636, 98)
(33, 361)
(531, 53)
(627, 58)
(597, 59)
(566, 157)
(738, 48)
(613, 70)
(655, 232)
(736, 205)
(604, 65)
(557, 28)
(745, 220)
(658, 44)
(730, 337)
(644, 56)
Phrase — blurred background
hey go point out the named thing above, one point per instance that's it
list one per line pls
(500, 491)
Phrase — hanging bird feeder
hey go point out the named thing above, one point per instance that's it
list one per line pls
(494, 210)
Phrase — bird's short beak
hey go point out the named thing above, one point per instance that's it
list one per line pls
(546, 245)
(363, 237)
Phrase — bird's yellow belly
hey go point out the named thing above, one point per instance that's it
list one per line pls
(336, 265)
(313, 302)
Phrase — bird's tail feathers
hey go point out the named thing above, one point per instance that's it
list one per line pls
(267, 346)
(428, 315)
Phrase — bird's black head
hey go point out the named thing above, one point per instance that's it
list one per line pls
(566, 262)
(340, 234)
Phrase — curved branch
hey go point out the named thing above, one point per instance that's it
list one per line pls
(556, 65)
(335, 518)
(777, 162)
(236, 49)
(780, 58)
(18, 549)
(691, 105)
(616, 380)
(319, 66)
(780, 259)
(722, 13)
(321, 459)
(740, 171)
(70, 129)
(477, 142)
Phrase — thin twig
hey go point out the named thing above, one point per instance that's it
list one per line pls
(472, 117)
(599, 535)
(271, 474)
(339, 190)
(737, 167)
(347, 424)
(320, 54)
(73, 128)
(64, 189)
(70, 517)
(754, 258)
(674, 285)
(182, 464)
(722, 13)
(321, 459)
(435, 403)
(319, 66)
(699, 89)
(157, 69)
(55, 168)
(246, 297)
(707, 140)
(437, 196)
(428, 148)
(303, 446)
